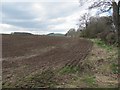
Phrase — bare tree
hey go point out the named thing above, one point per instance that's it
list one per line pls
(102, 5)
(105, 6)
(84, 20)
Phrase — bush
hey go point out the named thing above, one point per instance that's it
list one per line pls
(111, 38)
(100, 28)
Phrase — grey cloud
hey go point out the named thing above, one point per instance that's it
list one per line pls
(55, 9)
(16, 10)
(21, 14)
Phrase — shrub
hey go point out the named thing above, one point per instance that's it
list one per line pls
(100, 28)
(111, 38)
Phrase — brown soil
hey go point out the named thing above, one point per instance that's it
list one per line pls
(26, 55)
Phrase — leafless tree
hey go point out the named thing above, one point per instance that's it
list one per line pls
(84, 20)
(105, 6)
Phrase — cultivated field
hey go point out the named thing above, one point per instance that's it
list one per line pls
(26, 55)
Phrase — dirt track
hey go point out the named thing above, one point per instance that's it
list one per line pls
(25, 55)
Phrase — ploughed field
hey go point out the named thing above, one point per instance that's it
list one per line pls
(24, 55)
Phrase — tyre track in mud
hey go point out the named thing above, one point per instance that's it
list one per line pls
(80, 53)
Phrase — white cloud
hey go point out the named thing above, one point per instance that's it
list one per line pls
(58, 20)
(39, 0)
(54, 16)
(38, 9)
(66, 22)
(57, 23)
(44, 16)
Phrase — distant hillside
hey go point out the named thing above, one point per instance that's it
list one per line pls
(21, 33)
(55, 34)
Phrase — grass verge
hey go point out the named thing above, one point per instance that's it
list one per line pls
(69, 70)
(102, 44)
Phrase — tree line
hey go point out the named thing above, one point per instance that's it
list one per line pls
(106, 28)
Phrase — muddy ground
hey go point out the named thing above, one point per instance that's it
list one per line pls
(26, 56)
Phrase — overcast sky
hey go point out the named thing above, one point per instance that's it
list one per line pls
(41, 17)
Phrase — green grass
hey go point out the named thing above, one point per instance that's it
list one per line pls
(102, 44)
(69, 70)
(89, 80)
(114, 68)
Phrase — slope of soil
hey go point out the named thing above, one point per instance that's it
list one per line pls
(28, 56)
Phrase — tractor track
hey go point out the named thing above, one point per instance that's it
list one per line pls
(24, 55)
